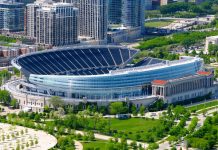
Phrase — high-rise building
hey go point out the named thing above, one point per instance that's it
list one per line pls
(56, 24)
(130, 13)
(31, 19)
(11, 16)
(114, 11)
(93, 19)
(133, 13)
(148, 4)
(30, 16)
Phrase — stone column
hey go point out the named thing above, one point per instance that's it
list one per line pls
(152, 90)
(160, 91)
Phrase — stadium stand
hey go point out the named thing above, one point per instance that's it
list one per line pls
(149, 61)
(79, 61)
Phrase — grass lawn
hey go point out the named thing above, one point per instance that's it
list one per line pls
(134, 128)
(95, 145)
(133, 124)
(7, 39)
(159, 23)
(203, 106)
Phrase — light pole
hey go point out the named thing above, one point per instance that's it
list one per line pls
(85, 101)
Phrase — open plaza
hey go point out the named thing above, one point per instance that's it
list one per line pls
(17, 137)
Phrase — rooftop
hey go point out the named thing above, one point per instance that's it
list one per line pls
(206, 73)
(159, 82)
(198, 74)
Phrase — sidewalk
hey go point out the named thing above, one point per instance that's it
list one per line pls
(78, 145)
(106, 138)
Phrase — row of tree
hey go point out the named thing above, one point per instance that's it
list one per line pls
(207, 7)
(185, 39)
(113, 108)
(206, 137)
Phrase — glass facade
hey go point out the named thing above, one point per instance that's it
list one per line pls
(12, 16)
(119, 84)
(115, 11)
(133, 13)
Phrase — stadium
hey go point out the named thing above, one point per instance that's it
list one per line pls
(97, 73)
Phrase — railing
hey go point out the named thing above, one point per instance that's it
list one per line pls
(15, 64)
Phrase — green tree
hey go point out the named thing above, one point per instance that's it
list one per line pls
(37, 118)
(16, 71)
(153, 146)
(36, 141)
(13, 103)
(134, 110)
(4, 75)
(187, 42)
(117, 108)
(27, 144)
(46, 109)
(179, 111)
(142, 110)
(194, 53)
(5, 97)
(212, 49)
(18, 147)
(186, 52)
(91, 136)
(31, 143)
(134, 145)
(56, 102)
(169, 111)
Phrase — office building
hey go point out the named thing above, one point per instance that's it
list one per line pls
(11, 16)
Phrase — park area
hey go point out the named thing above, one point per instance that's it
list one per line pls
(158, 23)
(139, 129)
(204, 106)
(5, 41)
(97, 144)
(21, 138)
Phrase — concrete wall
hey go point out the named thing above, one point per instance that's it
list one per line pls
(190, 95)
